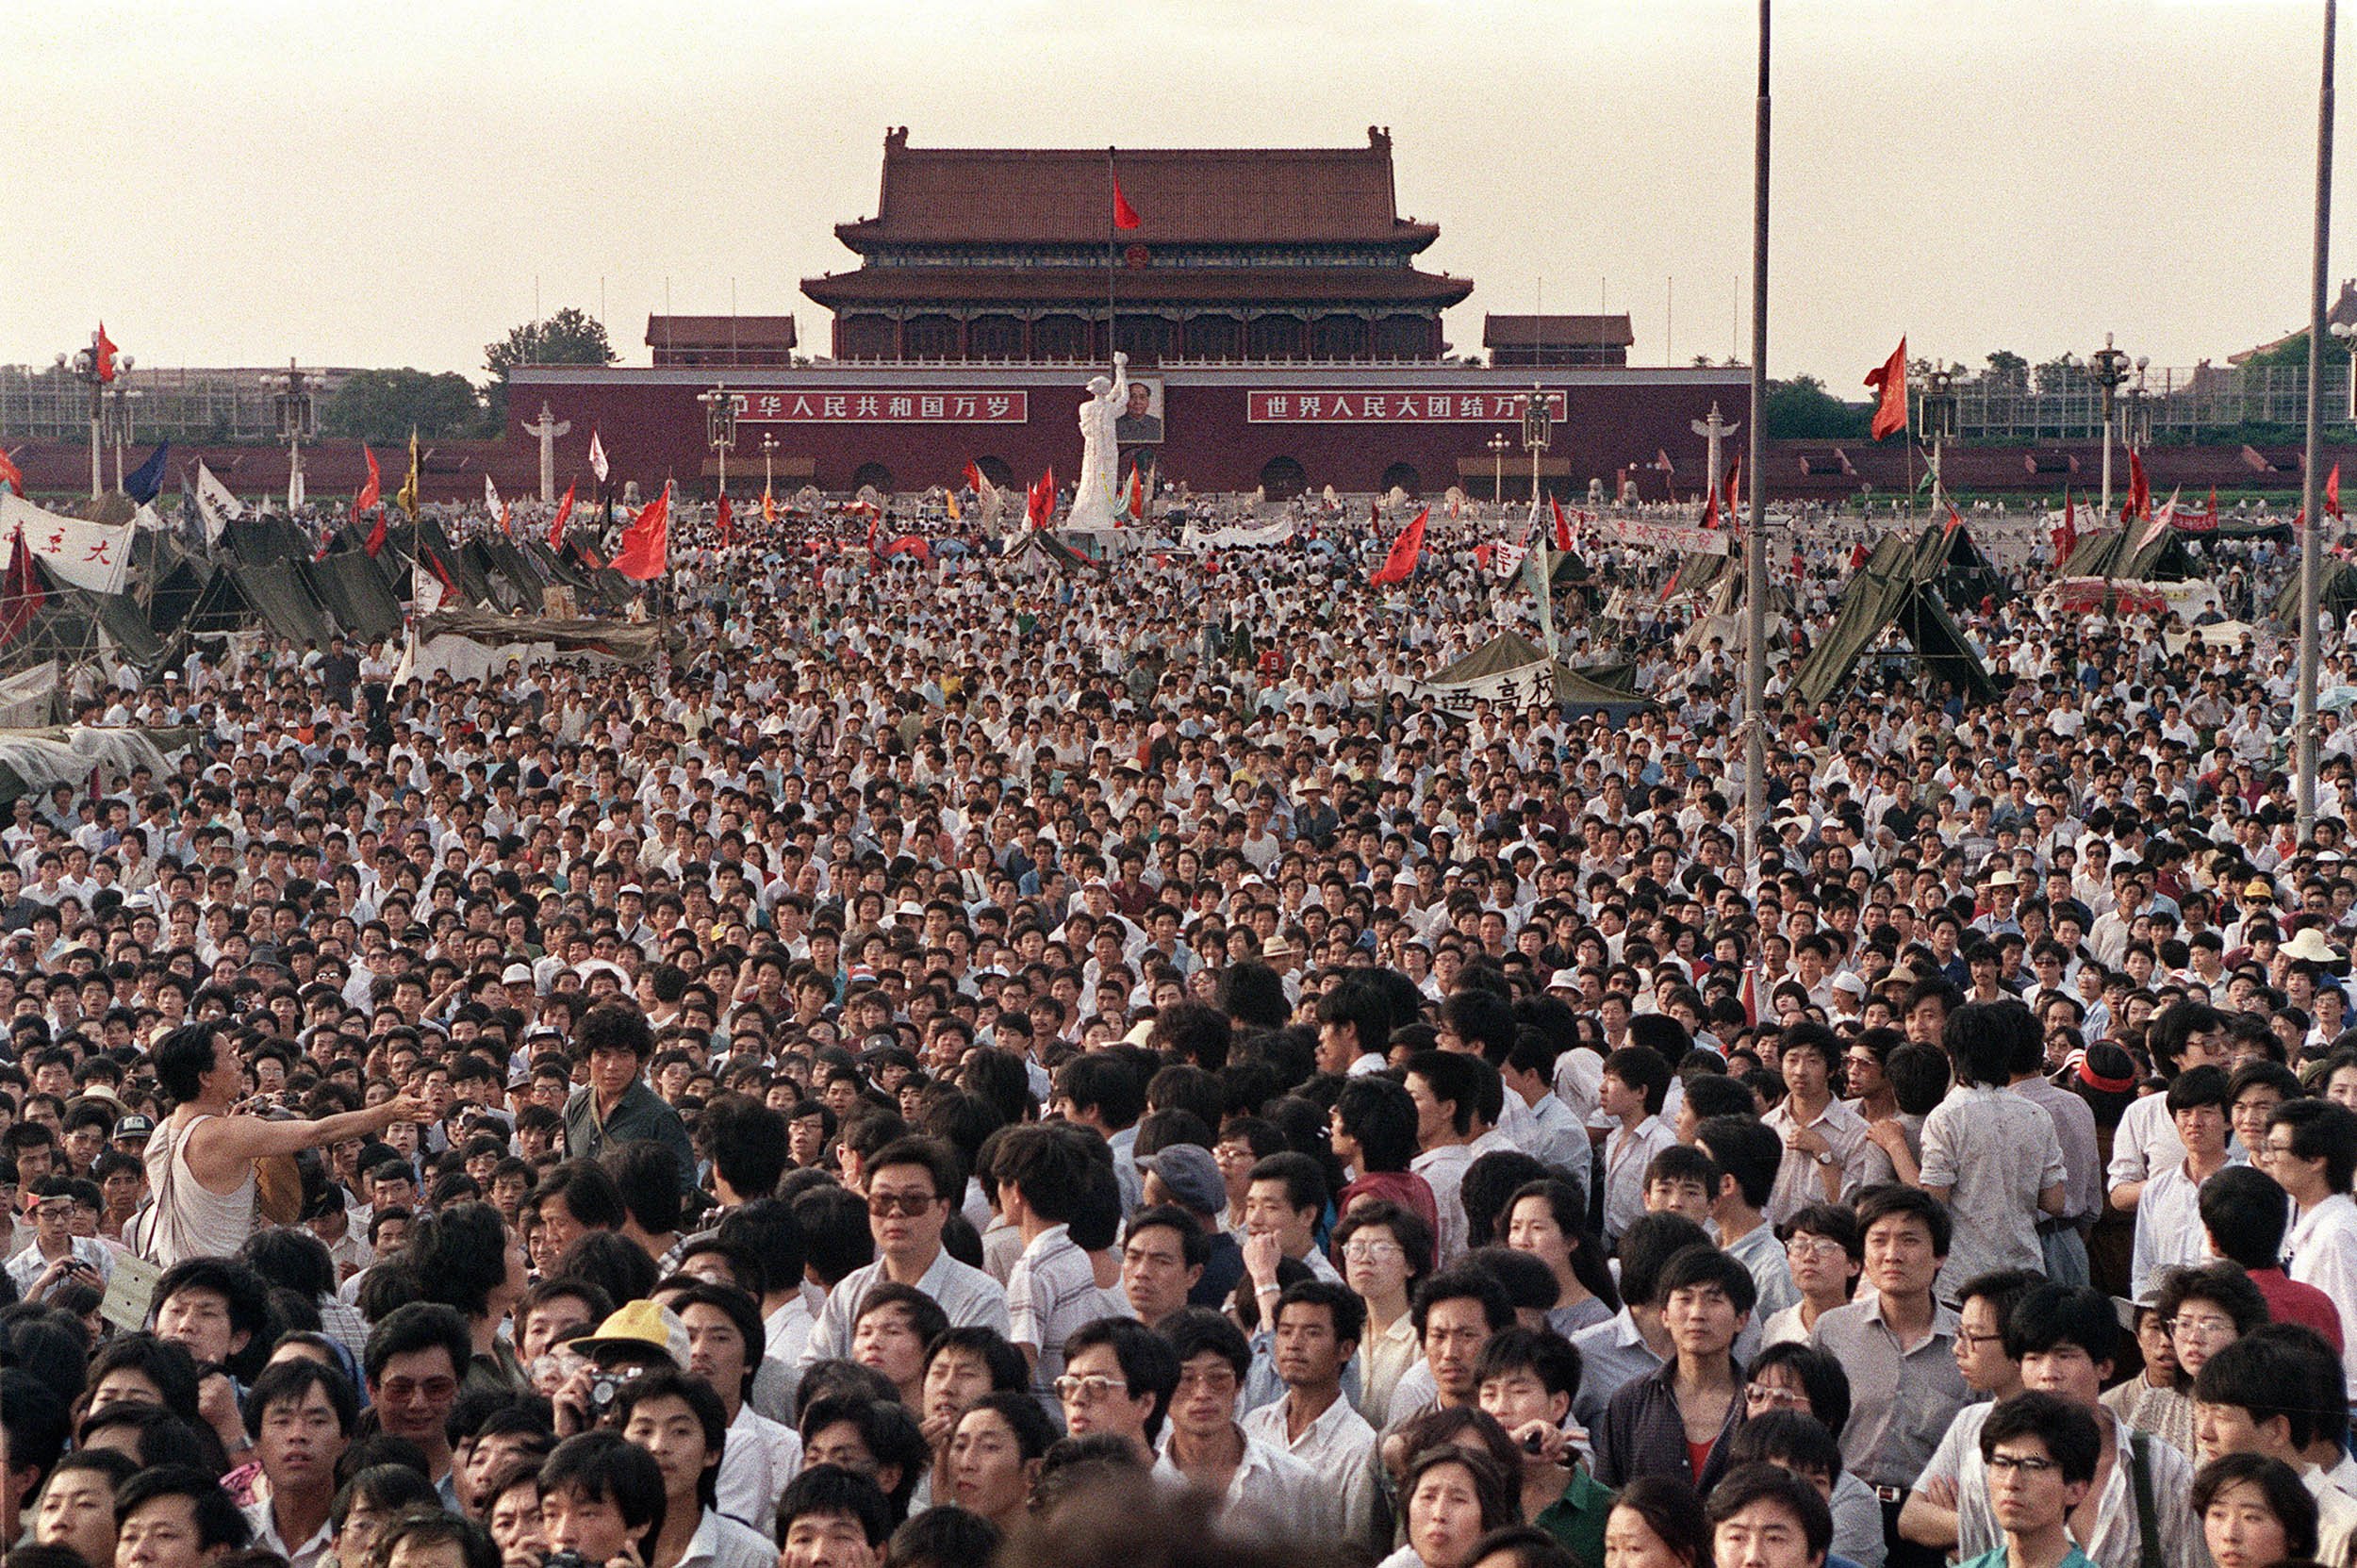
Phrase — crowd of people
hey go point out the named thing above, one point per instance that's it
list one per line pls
(1095, 1066)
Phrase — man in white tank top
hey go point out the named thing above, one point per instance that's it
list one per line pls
(200, 1163)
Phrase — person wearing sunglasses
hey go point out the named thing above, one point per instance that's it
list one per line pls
(912, 1183)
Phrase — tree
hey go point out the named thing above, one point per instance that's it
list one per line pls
(2008, 369)
(1802, 408)
(384, 406)
(572, 336)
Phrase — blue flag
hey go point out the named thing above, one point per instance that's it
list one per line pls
(147, 482)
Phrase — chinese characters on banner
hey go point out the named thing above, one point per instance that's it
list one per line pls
(886, 406)
(1316, 407)
(93, 555)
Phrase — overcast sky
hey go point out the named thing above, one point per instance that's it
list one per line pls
(235, 182)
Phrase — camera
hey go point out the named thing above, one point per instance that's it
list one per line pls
(1534, 1442)
(566, 1559)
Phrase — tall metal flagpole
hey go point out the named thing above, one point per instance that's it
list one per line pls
(1755, 536)
(2305, 709)
(1112, 241)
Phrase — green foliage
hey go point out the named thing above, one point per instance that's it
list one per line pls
(384, 406)
(2292, 350)
(2008, 369)
(1802, 408)
(572, 336)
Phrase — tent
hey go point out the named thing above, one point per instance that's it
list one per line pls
(2336, 594)
(1034, 553)
(1512, 670)
(632, 642)
(34, 759)
(356, 591)
(1958, 566)
(1889, 591)
(2144, 555)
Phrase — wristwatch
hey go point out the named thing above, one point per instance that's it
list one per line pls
(1825, 1157)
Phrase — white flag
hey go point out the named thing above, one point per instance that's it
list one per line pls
(209, 509)
(212, 489)
(490, 495)
(93, 555)
(425, 590)
(597, 457)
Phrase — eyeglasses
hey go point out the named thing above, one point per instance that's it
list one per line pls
(1813, 1246)
(884, 1204)
(1088, 1390)
(2199, 1327)
(400, 1391)
(2025, 1464)
(1965, 1337)
(1371, 1252)
(1758, 1395)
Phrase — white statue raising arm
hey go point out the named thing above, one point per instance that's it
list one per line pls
(1095, 491)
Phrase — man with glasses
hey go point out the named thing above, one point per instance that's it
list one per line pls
(2040, 1453)
(910, 1187)
(1117, 1381)
(1262, 1489)
(2310, 1153)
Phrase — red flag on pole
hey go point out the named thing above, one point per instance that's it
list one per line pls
(974, 479)
(1125, 216)
(647, 542)
(2331, 492)
(1735, 482)
(2067, 536)
(375, 544)
(20, 590)
(1891, 379)
(1039, 504)
(369, 492)
(1137, 494)
(10, 474)
(2139, 490)
(1562, 526)
(1401, 561)
(726, 522)
(1710, 509)
(103, 354)
(2209, 518)
(564, 516)
(1953, 523)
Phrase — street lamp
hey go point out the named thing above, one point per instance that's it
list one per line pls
(1538, 433)
(2108, 366)
(1938, 421)
(84, 368)
(119, 412)
(297, 422)
(768, 452)
(1499, 446)
(2346, 332)
(721, 408)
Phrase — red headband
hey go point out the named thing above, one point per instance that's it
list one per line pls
(2094, 1079)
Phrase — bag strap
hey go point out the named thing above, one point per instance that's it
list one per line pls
(2148, 1517)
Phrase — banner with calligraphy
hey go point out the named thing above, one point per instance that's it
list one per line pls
(1662, 535)
(93, 555)
(1389, 407)
(1529, 686)
(1236, 536)
(887, 405)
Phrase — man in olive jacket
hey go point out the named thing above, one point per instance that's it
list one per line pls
(616, 1105)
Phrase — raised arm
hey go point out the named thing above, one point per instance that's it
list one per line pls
(226, 1140)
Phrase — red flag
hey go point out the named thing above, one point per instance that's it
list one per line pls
(1857, 557)
(441, 573)
(2209, 519)
(1125, 216)
(1953, 523)
(974, 479)
(1401, 561)
(369, 492)
(1137, 494)
(2139, 502)
(1562, 526)
(9, 475)
(647, 542)
(20, 591)
(1891, 379)
(1735, 481)
(103, 354)
(589, 554)
(375, 542)
(1039, 504)
(1710, 509)
(2332, 491)
(726, 522)
(564, 516)
(2067, 536)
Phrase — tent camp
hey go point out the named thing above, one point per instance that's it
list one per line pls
(2336, 595)
(2149, 554)
(1956, 565)
(469, 644)
(1888, 594)
(34, 759)
(1035, 553)
(1510, 670)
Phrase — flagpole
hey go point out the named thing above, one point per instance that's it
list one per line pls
(2304, 722)
(1755, 536)
(1113, 184)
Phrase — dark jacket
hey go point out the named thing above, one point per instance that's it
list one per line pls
(640, 1114)
(1642, 1433)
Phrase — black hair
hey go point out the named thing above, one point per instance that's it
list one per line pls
(1463, 1283)
(1692, 1267)
(2072, 1440)
(2196, 1087)
(219, 1521)
(1149, 1363)
(1795, 1440)
(944, 1536)
(1345, 1312)
(886, 1429)
(1747, 1484)
(770, 1229)
(289, 1381)
(589, 1191)
(2244, 1214)
(616, 1264)
(743, 1311)
(1199, 1330)
(604, 1467)
(2224, 1285)
(2277, 1370)
(420, 1326)
(665, 1382)
(1746, 1149)
(1647, 1244)
(1985, 1039)
(2053, 1314)
(1379, 1115)
(163, 1437)
(246, 1292)
(436, 1528)
(37, 1422)
(1008, 1370)
(2287, 1496)
(2320, 1130)
(1673, 1511)
(1818, 1372)
(1892, 1200)
(830, 1489)
(1542, 1353)
(1644, 1069)
(747, 1140)
(647, 1177)
(183, 1057)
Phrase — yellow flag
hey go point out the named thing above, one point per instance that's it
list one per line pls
(954, 513)
(407, 495)
(769, 506)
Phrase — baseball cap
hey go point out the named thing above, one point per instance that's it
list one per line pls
(1193, 1177)
(516, 974)
(638, 1326)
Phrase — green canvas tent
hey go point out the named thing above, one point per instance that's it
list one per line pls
(2336, 594)
(2144, 555)
(1888, 594)
(1512, 670)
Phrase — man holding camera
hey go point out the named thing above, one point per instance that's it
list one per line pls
(56, 1256)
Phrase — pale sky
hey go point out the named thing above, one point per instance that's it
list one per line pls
(235, 182)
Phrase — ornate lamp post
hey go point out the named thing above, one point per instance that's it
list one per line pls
(721, 407)
(298, 421)
(2109, 366)
(1499, 446)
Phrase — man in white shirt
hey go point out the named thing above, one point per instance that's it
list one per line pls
(1446, 1088)
(1262, 1490)
(300, 1414)
(1318, 1327)
(2310, 1153)
(911, 1185)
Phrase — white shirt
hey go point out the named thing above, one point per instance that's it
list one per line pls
(969, 1296)
(1272, 1496)
(260, 1521)
(1339, 1447)
(29, 1266)
(2168, 1231)
(759, 1458)
(721, 1541)
(1444, 1171)
(2323, 1245)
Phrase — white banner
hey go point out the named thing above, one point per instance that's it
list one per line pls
(93, 555)
(211, 489)
(1663, 535)
(1522, 687)
(1236, 536)
(216, 522)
